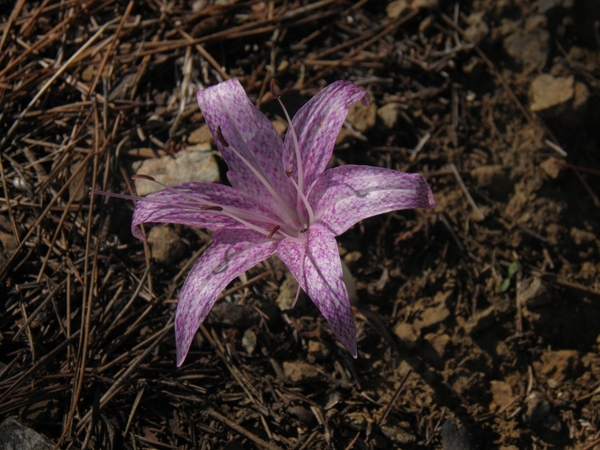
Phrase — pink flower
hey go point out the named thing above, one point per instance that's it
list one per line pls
(281, 201)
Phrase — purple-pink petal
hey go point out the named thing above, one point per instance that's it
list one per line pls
(249, 132)
(182, 204)
(343, 196)
(317, 125)
(315, 262)
(233, 252)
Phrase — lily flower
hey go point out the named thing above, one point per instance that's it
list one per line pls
(281, 201)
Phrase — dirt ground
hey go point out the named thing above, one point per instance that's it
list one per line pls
(478, 322)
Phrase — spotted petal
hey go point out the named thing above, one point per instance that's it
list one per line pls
(315, 262)
(251, 134)
(343, 196)
(317, 126)
(182, 204)
(233, 252)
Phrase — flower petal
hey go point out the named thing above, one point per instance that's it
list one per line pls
(233, 253)
(317, 125)
(249, 132)
(342, 196)
(315, 262)
(182, 204)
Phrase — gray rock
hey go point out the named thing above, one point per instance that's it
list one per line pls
(16, 436)
(193, 164)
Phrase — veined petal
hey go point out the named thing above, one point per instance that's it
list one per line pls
(182, 204)
(317, 125)
(315, 262)
(249, 132)
(342, 196)
(233, 253)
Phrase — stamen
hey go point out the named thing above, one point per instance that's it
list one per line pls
(300, 185)
(222, 140)
(289, 212)
(273, 231)
(141, 176)
(273, 93)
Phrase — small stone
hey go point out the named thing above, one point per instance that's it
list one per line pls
(300, 372)
(389, 114)
(552, 167)
(287, 292)
(396, 8)
(502, 395)
(481, 320)
(165, 244)
(529, 48)
(249, 340)
(538, 408)
(201, 135)
(280, 126)
(362, 118)
(16, 436)
(317, 351)
(186, 166)
(550, 95)
(407, 334)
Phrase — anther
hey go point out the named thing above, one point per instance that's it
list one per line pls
(141, 176)
(211, 208)
(288, 172)
(273, 231)
(273, 91)
(222, 140)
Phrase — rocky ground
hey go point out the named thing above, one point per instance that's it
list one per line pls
(478, 321)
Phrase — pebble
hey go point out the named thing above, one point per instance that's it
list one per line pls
(389, 114)
(165, 245)
(557, 97)
(201, 135)
(362, 118)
